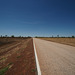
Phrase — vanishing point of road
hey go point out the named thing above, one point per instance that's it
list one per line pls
(55, 58)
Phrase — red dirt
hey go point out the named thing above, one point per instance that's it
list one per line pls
(22, 59)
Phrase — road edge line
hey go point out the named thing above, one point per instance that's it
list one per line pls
(37, 62)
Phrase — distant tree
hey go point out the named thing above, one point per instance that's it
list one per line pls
(52, 36)
(35, 36)
(20, 36)
(72, 36)
(62, 36)
(12, 36)
(29, 36)
(57, 35)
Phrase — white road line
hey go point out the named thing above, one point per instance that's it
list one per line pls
(37, 62)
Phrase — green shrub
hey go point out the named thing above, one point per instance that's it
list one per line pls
(2, 71)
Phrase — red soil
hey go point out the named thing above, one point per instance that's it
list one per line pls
(22, 59)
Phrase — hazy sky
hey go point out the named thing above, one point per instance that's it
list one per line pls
(37, 17)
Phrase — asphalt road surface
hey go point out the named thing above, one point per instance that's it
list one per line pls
(55, 58)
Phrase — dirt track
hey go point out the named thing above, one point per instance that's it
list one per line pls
(55, 58)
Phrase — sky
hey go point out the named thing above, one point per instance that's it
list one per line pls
(37, 17)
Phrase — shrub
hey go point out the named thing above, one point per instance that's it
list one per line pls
(12, 36)
(72, 36)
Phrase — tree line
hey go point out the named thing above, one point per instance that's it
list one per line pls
(57, 36)
(13, 36)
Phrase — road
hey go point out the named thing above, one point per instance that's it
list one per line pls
(55, 58)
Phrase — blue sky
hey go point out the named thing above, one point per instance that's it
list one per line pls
(37, 17)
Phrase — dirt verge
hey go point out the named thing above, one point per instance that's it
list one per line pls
(19, 59)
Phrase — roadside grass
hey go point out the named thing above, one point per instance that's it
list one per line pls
(10, 63)
(34, 70)
(3, 70)
(18, 56)
(2, 59)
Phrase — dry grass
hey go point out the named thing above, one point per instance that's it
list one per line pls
(67, 41)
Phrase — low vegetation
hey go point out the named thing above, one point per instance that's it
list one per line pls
(2, 71)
